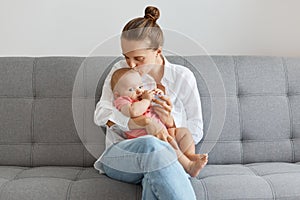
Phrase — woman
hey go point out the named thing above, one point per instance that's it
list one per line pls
(148, 160)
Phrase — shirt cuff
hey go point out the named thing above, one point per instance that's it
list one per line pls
(120, 119)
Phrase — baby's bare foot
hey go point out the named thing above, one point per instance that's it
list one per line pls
(197, 165)
(194, 157)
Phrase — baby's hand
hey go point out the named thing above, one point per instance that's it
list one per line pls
(141, 120)
(148, 94)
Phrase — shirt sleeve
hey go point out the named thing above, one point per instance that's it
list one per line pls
(105, 110)
(190, 98)
(194, 110)
(122, 101)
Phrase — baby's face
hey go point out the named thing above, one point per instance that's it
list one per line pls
(130, 84)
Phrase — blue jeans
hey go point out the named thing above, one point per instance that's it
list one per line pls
(153, 163)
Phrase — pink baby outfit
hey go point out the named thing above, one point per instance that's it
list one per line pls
(124, 100)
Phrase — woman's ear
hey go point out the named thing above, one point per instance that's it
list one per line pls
(159, 50)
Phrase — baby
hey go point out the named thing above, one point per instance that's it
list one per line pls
(133, 101)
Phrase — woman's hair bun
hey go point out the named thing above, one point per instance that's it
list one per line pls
(152, 13)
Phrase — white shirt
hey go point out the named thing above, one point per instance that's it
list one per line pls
(180, 85)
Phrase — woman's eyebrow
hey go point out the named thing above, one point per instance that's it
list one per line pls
(133, 57)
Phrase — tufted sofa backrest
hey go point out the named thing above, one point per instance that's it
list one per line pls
(37, 126)
(47, 105)
(262, 121)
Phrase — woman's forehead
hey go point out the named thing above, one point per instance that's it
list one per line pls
(134, 46)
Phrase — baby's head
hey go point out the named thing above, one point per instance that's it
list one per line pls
(126, 82)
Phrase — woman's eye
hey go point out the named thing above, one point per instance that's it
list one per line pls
(141, 87)
(139, 58)
(130, 89)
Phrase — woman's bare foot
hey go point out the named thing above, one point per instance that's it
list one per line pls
(196, 165)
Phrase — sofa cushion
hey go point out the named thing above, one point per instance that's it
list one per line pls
(56, 183)
(259, 181)
(251, 181)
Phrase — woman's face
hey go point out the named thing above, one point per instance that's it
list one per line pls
(139, 56)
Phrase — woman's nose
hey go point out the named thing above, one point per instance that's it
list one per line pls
(132, 64)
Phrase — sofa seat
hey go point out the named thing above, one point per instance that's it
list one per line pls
(251, 181)
(276, 180)
(57, 183)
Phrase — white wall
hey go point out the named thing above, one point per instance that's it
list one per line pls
(76, 27)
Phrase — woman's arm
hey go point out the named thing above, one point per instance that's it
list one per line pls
(189, 95)
(186, 92)
(105, 111)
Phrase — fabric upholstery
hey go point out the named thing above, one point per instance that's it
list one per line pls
(273, 180)
(51, 183)
(261, 114)
(48, 141)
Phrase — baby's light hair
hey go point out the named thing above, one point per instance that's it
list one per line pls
(117, 75)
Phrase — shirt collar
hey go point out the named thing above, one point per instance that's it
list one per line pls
(168, 72)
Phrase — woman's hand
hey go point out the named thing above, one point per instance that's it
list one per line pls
(163, 110)
(164, 102)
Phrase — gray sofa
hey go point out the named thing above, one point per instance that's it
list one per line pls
(48, 141)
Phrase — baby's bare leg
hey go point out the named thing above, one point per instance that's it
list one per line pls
(184, 140)
(193, 167)
(192, 163)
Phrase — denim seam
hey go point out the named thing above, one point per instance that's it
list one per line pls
(140, 162)
(134, 153)
(154, 190)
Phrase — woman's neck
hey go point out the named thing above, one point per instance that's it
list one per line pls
(158, 71)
